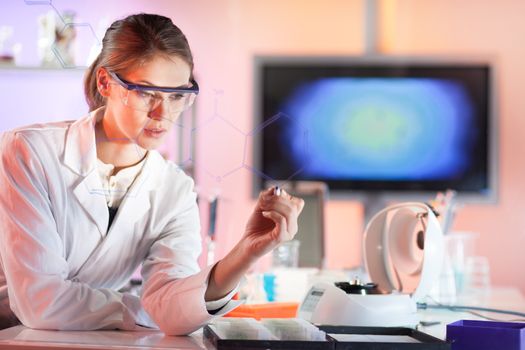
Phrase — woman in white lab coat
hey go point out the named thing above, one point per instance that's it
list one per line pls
(83, 203)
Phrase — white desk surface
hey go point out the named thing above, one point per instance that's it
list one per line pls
(20, 337)
(497, 298)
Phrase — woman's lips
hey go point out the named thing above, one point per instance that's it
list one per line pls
(154, 132)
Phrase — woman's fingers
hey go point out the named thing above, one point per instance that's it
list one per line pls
(286, 211)
(286, 205)
(298, 202)
(280, 225)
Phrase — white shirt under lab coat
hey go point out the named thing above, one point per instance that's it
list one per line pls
(60, 266)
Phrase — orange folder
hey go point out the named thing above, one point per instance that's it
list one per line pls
(266, 310)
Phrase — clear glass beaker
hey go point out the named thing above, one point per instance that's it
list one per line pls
(286, 255)
(459, 246)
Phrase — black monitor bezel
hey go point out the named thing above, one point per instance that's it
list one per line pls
(397, 67)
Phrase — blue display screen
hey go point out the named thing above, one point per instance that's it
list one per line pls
(374, 128)
(423, 128)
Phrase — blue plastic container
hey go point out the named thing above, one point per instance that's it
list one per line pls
(269, 286)
(486, 335)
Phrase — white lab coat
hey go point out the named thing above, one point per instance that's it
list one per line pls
(60, 267)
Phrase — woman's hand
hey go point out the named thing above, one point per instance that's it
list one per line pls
(274, 220)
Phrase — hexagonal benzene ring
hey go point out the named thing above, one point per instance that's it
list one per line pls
(225, 143)
(281, 142)
(62, 46)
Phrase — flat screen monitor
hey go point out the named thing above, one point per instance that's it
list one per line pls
(382, 126)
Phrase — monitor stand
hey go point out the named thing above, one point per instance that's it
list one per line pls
(373, 204)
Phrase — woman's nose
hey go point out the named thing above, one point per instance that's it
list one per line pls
(161, 111)
(164, 111)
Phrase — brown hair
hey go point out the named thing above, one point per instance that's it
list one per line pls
(132, 41)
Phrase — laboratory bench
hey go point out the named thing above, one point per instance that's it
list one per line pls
(20, 337)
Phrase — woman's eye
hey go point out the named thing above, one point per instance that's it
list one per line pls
(176, 97)
(146, 95)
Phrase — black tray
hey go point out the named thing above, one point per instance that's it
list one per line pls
(249, 344)
(426, 342)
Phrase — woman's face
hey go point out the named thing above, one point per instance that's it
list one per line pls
(148, 129)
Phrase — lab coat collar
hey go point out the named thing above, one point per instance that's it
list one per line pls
(80, 156)
(80, 152)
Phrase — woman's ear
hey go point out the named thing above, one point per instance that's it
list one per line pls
(103, 82)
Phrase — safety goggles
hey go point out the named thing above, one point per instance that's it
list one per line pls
(148, 97)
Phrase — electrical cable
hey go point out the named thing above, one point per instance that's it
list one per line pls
(472, 310)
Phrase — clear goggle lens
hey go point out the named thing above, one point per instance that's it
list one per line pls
(146, 101)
